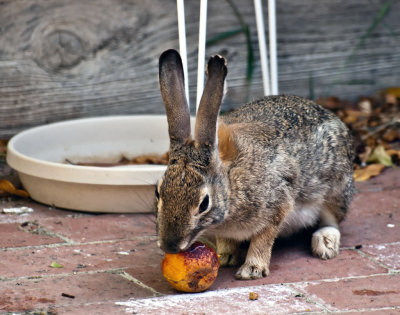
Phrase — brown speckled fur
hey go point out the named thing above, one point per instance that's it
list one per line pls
(281, 163)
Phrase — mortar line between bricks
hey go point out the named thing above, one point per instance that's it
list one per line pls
(364, 310)
(308, 299)
(53, 234)
(41, 230)
(121, 270)
(374, 260)
(75, 273)
(292, 286)
(357, 311)
(395, 272)
(325, 305)
(365, 245)
(137, 238)
(139, 283)
(377, 189)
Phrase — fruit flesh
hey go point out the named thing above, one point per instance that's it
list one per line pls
(194, 270)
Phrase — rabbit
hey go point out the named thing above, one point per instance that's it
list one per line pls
(265, 170)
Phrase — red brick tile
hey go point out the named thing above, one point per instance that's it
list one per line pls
(102, 256)
(387, 254)
(40, 211)
(102, 227)
(92, 309)
(388, 179)
(369, 219)
(25, 295)
(381, 311)
(355, 294)
(295, 265)
(15, 235)
(151, 276)
(287, 265)
(272, 299)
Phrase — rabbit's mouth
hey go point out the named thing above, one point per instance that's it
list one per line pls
(185, 244)
(173, 244)
(174, 247)
(169, 247)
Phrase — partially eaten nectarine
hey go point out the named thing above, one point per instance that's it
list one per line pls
(193, 270)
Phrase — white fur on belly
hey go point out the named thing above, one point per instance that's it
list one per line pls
(301, 217)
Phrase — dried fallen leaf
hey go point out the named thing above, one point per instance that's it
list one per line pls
(366, 173)
(394, 91)
(142, 159)
(392, 152)
(390, 98)
(380, 155)
(7, 188)
(56, 265)
(352, 116)
(390, 134)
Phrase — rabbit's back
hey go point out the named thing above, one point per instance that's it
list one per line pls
(284, 113)
(303, 149)
(293, 120)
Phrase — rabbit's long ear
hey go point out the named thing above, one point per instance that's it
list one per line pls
(173, 94)
(207, 114)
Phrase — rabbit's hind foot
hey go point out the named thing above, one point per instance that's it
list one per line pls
(326, 242)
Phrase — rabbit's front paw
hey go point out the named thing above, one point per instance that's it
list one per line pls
(228, 252)
(325, 242)
(228, 260)
(251, 271)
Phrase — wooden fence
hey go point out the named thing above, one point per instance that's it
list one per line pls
(63, 59)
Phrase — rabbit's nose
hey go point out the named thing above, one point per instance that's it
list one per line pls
(170, 247)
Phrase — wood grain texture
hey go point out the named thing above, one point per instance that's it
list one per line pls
(79, 58)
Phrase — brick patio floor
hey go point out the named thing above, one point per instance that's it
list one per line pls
(111, 265)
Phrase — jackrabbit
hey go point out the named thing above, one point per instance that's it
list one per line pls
(267, 169)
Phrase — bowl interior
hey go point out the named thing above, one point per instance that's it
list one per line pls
(45, 156)
(95, 140)
(51, 151)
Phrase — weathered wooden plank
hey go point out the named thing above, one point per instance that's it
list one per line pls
(67, 59)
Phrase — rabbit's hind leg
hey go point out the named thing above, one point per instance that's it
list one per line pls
(325, 241)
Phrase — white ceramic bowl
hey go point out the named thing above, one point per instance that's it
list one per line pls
(39, 154)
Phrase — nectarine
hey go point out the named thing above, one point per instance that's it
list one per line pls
(193, 270)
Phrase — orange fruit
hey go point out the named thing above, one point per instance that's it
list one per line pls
(193, 270)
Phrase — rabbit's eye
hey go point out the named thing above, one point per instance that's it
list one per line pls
(157, 193)
(204, 204)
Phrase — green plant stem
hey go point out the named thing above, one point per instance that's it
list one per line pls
(382, 13)
(223, 36)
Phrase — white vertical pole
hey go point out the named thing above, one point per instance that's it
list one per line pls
(272, 46)
(202, 50)
(262, 45)
(182, 45)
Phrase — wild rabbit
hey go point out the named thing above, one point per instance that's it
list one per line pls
(267, 169)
